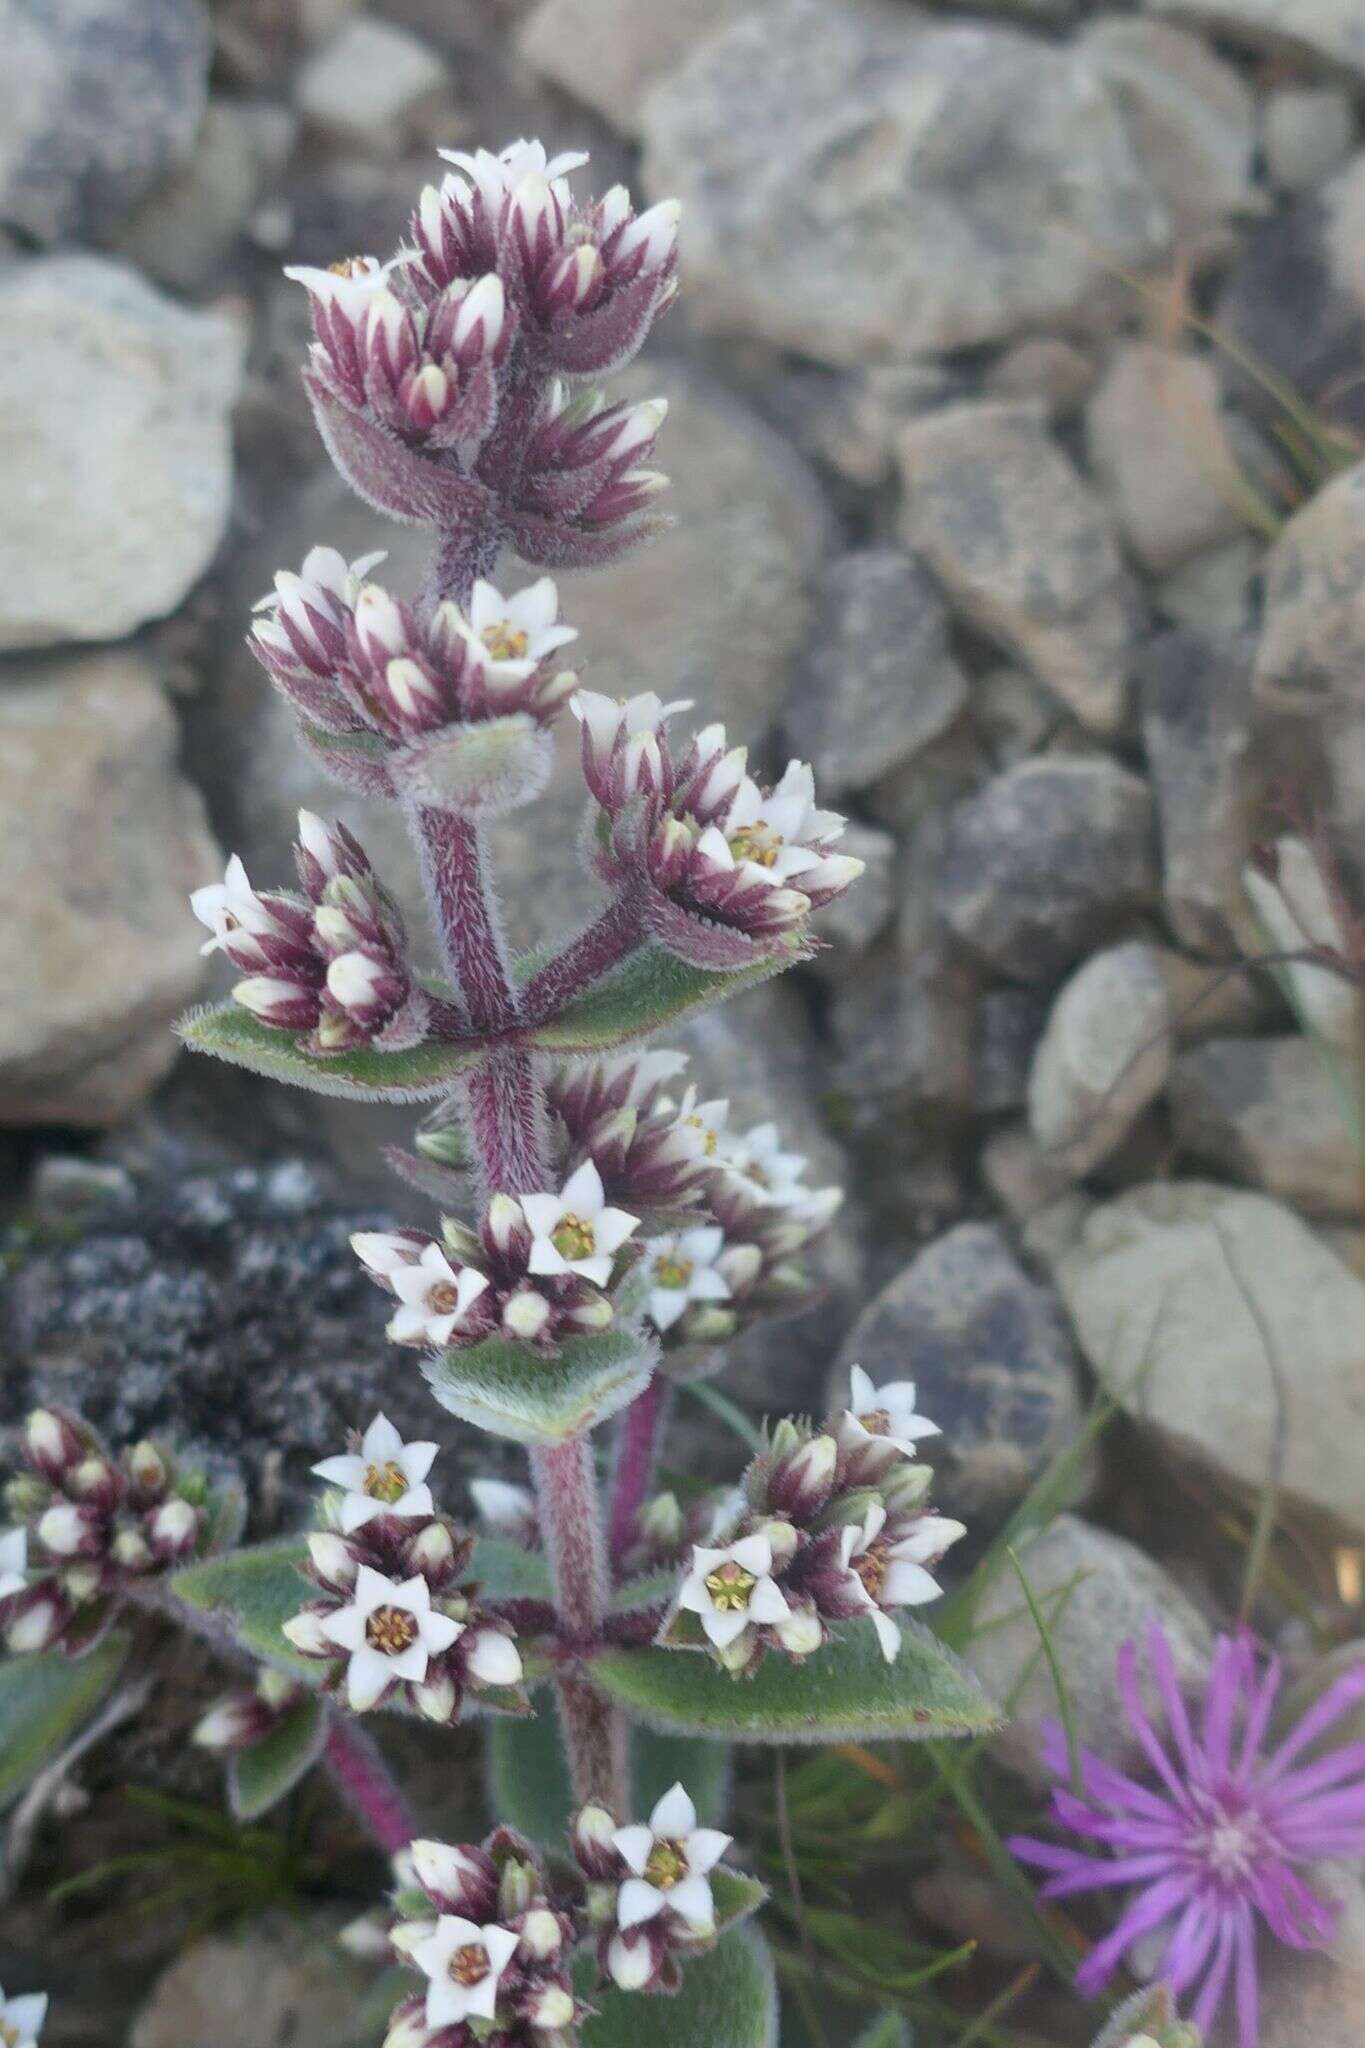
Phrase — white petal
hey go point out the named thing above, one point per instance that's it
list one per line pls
(542, 1213)
(888, 1635)
(597, 1269)
(367, 1675)
(862, 1395)
(345, 1628)
(439, 1631)
(767, 1602)
(501, 1944)
(547, 1258)
(612, 1227)
(754, 1554)
(344, 1470)
(638, 1902)
(583, 1192)
(634, 1844)
(909, 1585)
(705, 1847)
(666, 1304)
(410, 1664)
(381, 1442)
(674, 1815)
(692, 1901)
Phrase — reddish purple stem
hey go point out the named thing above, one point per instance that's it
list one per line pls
(637, 1450)
(608, 940)
(594, 1733)
(453, 862)
(363, 1776)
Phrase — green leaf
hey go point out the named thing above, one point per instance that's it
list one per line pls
(259, 1777)
(44, 1700)
(728, 1999)
(1151, 2012)
(505, 1571)
(361, 1075)
(256, 1591)
(892, 2030)
(514, 1391)
(528, 1778)
(846, 1692)
(651, 989)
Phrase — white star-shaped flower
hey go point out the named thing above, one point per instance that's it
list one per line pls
(348, 286)
(384, 1478)
(465, 1963)
(575, 1231)
(703, 1123)
(21, 2019)
(758, 1158)
(670, 1861)
(732, 1589)
(512, 635)
(391, 1632)
(774, 833)
(894, 1574)
(13, 1562)
(495, 176)
(883, 1414)
(682, 1269)
(326, 584)
(636, 722)
(229, 905)
(436, 1297)
(384, 1252)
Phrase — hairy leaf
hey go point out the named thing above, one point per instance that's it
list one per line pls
(648, 991)
(846, 1692)
(361, 1075)
(728, 1999)
(44, 1701)
(514, 1391)
(259, 1777)
(255, 1591)
(505, 1571)
(487, 767)
(528, 1777)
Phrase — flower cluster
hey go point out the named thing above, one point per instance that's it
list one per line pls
(482, 1927)
(617, 1113)
(831, 1527)
(331, 963)
(377, 687)
(393, 1617)
(540, 1268)
(91, 1524)
(650, 1897)
(728, 866)
(1211, 1840)
(438, 377)
(242, 1718)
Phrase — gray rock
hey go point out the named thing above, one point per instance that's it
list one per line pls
(1190, 118)
(184, 232)
(99, 99)
(226, 1310)
(1312, 651)
(369, 86)
(1014, 713)
(1294, 302)
(100, 843)
(125, 493)
(277, 1984)
(1269, 1112)
(609, 56)
(877, 680)
(1045, 862)
(1195, 697)
(751, 527)
(1103, 1058)
(992, 1361)
(1046, 371)
(1159, 450)
(850, 420)
(1161, 1286)
(1308, 132)
(1331, 30)
(1021, 1176)
(902, 1030)
(1024, 549)
(1009, 1023)
(1215, 592)
(1297, 904)
(1311, 1997)
(856, 186)
(1097, 1592)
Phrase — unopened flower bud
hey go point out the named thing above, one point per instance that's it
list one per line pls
(662, 1521)
(437, 1698)
(305, 1632)
(456, 1877)
(801, 1633)
(517, 1886)
(631, 1963)
(906, 1485)
(541, 1934)
(66, 1531)
(783, 1539)
(432, 1551)
(594, 1312)
(526, 1314)
(493, 1658)
(130, 1550)
(801, 1483)
(738, 1655)
(81, 1582)
(275, 1689)
(37, 1625)
(228, 1725)
(503, 1220)
(51, 1443)
(591, 1838)
(551, 2008)
(26, 1496)
(147, 1468)
(334, 1560)
(174, 1529)
(408, 2029)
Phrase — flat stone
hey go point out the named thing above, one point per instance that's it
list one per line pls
(117, 504)
(184, 232)
(1331, 30)
(1103, 1058)
(1160, 1286)
(877, 680)
(858, 186)
(850, 420)
(1190, 117)
(101, 841)
(609, 56)
(1009, 1023)
(751, 528)
(1160, 452)
(1312, 649)
(992, 1360)
(1024, 549)
(1046, 371)
(99, 99)
(289, 1979)
(368, 86)
(1097, 1592)
(902, 1031)
(1046, 862)
(1295, 904)
(1268, 1112)
(1308, 132)
(1215, 592)
(1195, 710)
(1294, 301)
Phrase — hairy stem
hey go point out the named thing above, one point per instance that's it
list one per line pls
(594, 1732)
(608, 940)
(455, 868)
(352, 1757)
(505, 1112)
(637, 1450)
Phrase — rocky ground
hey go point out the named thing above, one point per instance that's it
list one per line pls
(1018, 446)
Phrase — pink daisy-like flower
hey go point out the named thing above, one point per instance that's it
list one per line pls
(1211, 1846)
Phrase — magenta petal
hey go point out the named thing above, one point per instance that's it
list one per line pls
(1338, 1699)
(1248, 1984)
(1187, 1952)
(1211, 1992)
(1157, 1903)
